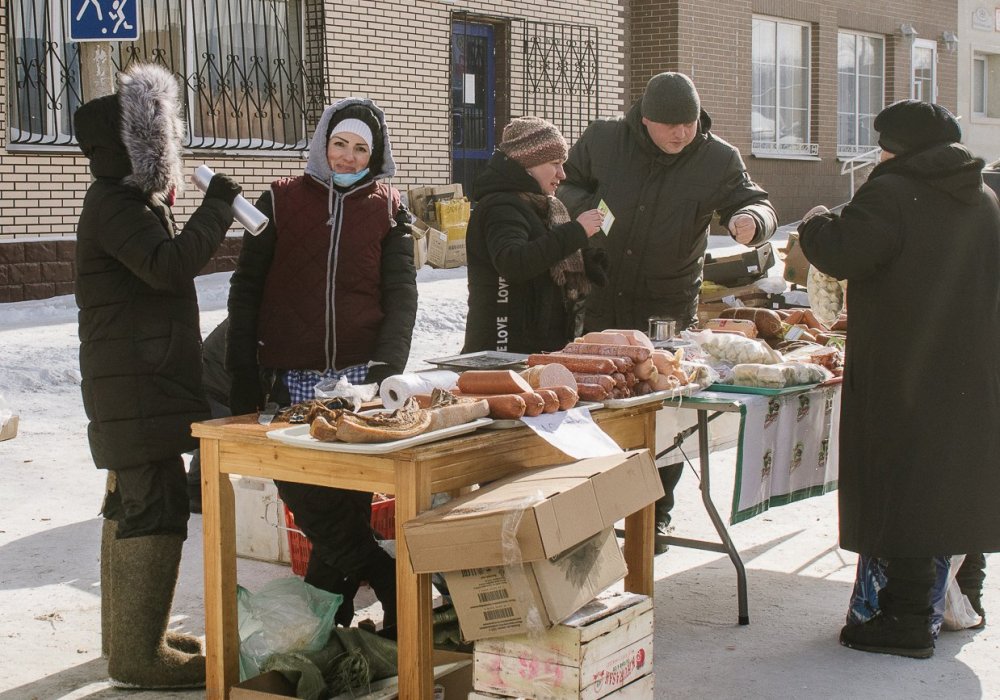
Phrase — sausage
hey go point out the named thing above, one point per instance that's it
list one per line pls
(534, 404)
(592, 392)
(768, 322)
(664, 361)
(545, 376)
(809, 318)
(567, 397)
(745, 327)
(794, 316)
(644, 369)
(633, 352)
(550, 398)
(506, 406)
(493, 381)
(620, 382)
(634, 337)
(604, 338)
(457, 414)
(603, 380)
(583, 364)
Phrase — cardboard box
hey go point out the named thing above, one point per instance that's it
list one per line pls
(419, 229)
(642, 689)
(259, 519)
(601, 648)
(740, 269)
(8, 429)
(422, 200)
(443, 253)
(452, 671)
(496, 601)
(452, 212)
(558, 507)
(796, 265)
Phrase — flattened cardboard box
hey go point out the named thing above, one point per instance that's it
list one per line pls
(452, 671)
(497, 601)
(549, 511)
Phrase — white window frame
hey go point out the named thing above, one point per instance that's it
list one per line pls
(805, 150)
(852, 150)
(932, 46)
(983, 87)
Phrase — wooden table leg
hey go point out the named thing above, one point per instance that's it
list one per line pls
(639, 532)
(413, 591)
(222, 643)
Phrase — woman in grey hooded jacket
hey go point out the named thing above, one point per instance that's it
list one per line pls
(140, 346)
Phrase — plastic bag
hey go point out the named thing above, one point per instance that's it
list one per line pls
(958, 612)
(732, 348)
(285, 615)
(343, 389)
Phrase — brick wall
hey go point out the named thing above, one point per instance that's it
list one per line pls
(395, 51)
(711, 41)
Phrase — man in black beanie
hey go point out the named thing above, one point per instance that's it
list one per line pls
(663, 175)
(920, 246)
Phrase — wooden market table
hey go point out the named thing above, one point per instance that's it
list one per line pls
(238, 445)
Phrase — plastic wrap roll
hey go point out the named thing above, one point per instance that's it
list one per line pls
(249, 216)
(398, 388)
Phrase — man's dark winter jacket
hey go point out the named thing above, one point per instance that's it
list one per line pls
(920, 248)
(330, 283)
(663, 205)
(140, 341)
(514, 305)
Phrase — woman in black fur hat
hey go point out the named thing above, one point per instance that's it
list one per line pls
(140, 345)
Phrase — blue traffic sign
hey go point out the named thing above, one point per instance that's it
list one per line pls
(103, 20)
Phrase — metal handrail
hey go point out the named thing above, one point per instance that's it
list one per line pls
(857, 162)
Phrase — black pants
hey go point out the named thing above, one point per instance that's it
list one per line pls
(669, 476)
(149, 499)
(908, 586)
(972, 573)
(338, 524)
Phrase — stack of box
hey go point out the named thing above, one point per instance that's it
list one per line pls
(528, 551)
(442, 218)
(605, 650)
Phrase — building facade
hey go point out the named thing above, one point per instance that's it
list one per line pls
(256, 75)
(978, 54)
(794, 84)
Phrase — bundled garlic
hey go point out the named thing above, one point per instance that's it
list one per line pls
(735, 349)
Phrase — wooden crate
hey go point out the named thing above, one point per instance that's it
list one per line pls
(642, 689)
(601, 649)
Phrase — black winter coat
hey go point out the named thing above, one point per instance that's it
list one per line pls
(140, 338)
(920, 247)
(514, 305)
(663, 205)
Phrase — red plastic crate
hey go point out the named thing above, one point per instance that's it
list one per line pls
(383, 522)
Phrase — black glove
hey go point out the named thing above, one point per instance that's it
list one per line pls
(245, 394)
(224, 188)
(596, 265)
(379, 373)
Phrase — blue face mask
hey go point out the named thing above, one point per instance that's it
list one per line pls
(348, 179)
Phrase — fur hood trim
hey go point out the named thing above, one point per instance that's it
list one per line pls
(152, 129)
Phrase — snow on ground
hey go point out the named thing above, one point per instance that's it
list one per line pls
(799, 581)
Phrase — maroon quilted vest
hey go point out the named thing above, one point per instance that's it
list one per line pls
(321, 307)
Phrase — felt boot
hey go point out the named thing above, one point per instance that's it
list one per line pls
(144, 575)
(188, 643)
(902, 635)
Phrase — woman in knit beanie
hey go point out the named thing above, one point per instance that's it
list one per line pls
(530, 266)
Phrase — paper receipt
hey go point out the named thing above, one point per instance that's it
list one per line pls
(609, 218)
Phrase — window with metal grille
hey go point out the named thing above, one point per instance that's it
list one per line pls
(242, 64)
(561, 74)
(860, 91)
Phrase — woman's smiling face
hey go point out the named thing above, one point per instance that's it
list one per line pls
(347, 153)
(548, 175)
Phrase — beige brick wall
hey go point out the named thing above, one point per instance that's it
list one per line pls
(394, 51)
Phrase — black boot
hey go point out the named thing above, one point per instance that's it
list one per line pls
(669, 476)
(970, 578)
(324, 575)
(908, 635)
(381, 576)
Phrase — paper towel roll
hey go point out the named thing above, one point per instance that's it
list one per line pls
(397, 389)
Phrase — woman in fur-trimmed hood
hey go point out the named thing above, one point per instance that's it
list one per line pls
(140, 346)
(327, 291)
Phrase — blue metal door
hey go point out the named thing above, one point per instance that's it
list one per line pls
(473, 100)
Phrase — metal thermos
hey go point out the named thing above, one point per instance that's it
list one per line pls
(662, 328)
(249, 216)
